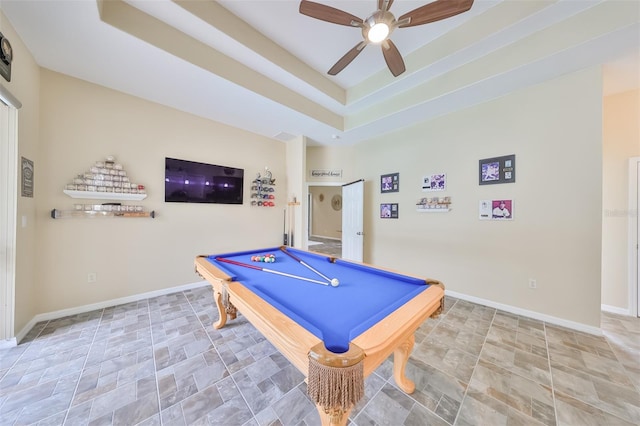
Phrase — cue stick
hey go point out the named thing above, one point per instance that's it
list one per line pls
(271, 271)
(285, 238)
(302, 262)
(292, 221)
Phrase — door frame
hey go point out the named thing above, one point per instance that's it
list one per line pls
(634, 237)
(308, 215)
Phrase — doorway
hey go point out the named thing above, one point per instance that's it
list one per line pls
(324, 221)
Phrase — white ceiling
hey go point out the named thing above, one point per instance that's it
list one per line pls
(261, 66)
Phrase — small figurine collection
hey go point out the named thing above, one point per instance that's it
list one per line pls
(434, 203)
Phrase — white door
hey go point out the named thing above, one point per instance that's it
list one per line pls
(8, 190)
(352, 220)
(637, 239)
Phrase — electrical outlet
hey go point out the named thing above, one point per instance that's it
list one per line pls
(91, 277)
(533, 283)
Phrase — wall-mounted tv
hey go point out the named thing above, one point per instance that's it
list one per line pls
(191, 182)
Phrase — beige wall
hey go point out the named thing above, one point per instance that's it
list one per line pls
(326, 222)
(555, 130)
(621, 138)
(295, 209)
(24, 85)
(333, 158)
(82, 123)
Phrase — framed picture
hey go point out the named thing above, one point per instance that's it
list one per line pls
(389, 211)
(434, 182)
(390, 183)
(27, 178)
(496, 210)
(497, 170)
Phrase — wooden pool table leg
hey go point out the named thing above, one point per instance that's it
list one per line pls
(400, 358)
(336, 417)
(225, 307)
(222, 312)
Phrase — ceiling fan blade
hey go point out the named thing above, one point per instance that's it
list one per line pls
(384, 4)
(328, 14)
(393, 58)
(436, 11)
(347, 58)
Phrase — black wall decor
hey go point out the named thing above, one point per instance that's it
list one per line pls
(6, 56)
(497, 170)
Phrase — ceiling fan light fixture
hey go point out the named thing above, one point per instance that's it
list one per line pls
(378, 27)
(378, 32)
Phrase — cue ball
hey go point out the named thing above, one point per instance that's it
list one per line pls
(335, 282)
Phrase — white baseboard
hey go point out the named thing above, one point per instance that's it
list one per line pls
(531, 314)
(101, 305)
(120, 301)
(616, 310)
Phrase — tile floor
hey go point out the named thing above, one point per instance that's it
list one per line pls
(159, 362)
(326, 246)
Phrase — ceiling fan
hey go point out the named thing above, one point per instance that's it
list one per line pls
(377, 28)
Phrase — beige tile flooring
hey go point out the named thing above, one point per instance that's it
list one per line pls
(159, 362)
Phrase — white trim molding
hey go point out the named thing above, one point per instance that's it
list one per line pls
(105, 304)
(633, 237)
(615, 310)
(7, 97)
(526, 313)
(135, 298)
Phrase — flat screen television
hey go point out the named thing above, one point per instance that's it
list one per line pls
(191, 182)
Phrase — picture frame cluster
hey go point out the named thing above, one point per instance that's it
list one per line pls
(491, 171)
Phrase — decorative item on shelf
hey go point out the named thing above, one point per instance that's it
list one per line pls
(105, 180)
(263, 190)
(267, 178)
(434, 204)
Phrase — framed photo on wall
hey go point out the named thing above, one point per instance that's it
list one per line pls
(496, 209)
(434, 182)
(390, 183)
(497, 170)
(389, 211)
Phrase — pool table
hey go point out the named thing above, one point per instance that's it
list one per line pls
(335, 335)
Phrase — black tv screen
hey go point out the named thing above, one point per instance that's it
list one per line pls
(191, 182)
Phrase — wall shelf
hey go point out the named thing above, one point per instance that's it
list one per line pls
(61, 214)
(433, 210)
(89, 195)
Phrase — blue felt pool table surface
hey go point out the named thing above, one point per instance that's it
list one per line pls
(336, 315)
